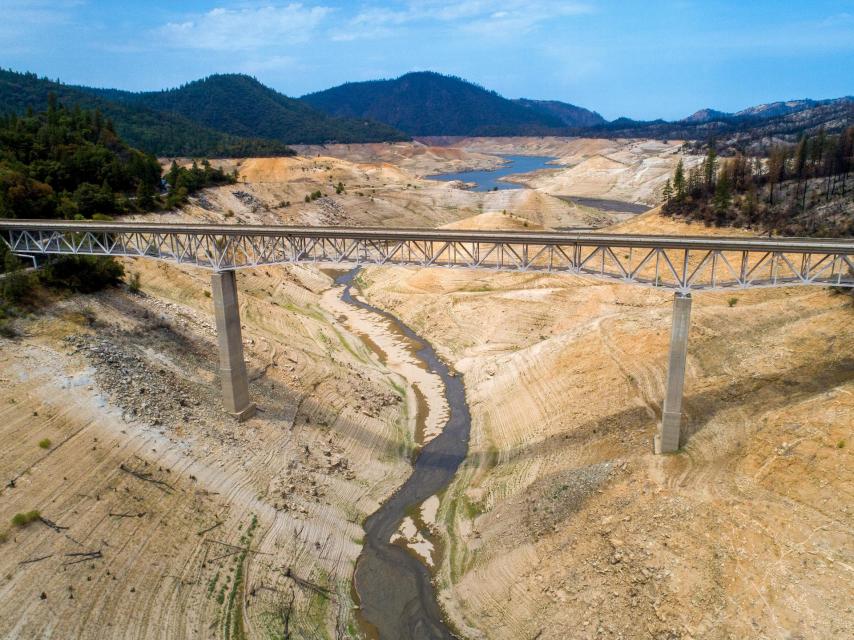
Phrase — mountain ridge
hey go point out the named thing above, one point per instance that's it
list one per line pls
(236, 115)
(240, 105)
(426, 103)
(151, 131)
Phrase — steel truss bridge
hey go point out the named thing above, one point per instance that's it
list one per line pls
(679, 263)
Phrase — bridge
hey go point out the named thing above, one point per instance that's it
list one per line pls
(683, 264)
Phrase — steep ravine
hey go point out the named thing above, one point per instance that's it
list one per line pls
(393, 585)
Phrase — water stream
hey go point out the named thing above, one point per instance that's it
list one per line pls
(393, 586)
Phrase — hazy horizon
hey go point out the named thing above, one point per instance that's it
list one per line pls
(620, 59)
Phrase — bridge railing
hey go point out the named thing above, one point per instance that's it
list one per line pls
(681, 264)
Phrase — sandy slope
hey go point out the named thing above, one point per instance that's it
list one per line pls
(415, 157)
(273, 191)
(626, 170)
(291, 485)
(563, 523)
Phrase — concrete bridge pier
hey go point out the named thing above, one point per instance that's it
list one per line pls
(232, 368)
(669, 434)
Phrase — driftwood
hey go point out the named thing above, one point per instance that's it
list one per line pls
(306, 584)
(227, 554)
(51, 524)
(127, 515)
(286, 611)
(146, 477)
(211, 528)
(83, 556)
(31, 560)
(234, 546)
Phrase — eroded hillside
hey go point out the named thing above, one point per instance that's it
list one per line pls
(563, 523)
(159, 515)
(331, 191)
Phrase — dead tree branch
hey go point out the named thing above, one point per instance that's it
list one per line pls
(146, 477)
(51, 524)
(211, 528)
(83, 556)
(39, 559)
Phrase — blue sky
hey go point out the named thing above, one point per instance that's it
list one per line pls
(640, 59)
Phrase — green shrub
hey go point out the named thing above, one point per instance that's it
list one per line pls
(16, 282)
(133, 283)
(23, 519)
(45, 443)
(85, 274)
(15, 286)
(732, 302)
(7, 330)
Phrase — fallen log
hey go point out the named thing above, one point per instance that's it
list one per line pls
(83, 556)
(51, 524)
(31, 560)
(211, 528)
(146, 477)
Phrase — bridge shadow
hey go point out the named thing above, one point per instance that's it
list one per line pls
(624, 430)
(632, 426)
(279, 402)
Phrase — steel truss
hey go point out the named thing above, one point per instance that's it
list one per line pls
(683, 264)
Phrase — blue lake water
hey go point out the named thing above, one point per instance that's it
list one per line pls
(489, 180)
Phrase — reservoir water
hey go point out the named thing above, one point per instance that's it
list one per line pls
(488, 180)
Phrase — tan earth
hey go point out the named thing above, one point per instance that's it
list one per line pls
(623, 170)
(560, 524)
(196, 526)
(274, 190)
(563, 524)
(415, 157)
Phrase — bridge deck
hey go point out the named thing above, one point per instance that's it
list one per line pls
(683, 263)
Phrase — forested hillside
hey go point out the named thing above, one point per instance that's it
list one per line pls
(242, 106)
(430, 104)
(159, 133)
(570, 114)
(71, 163)
(801, 189)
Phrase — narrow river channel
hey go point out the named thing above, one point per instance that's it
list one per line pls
(393, 586)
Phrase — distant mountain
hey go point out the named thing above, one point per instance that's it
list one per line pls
(762, 111)
(152, 131)
(706, 115)
(774, 109)
(242, 106)
(754, 127)
(430, 104)
(571, 115)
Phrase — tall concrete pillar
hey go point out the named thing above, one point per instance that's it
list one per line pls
(232, 368)
(670, 431)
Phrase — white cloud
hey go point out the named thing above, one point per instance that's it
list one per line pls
(23, 22)
(245, 29)
(492, 17)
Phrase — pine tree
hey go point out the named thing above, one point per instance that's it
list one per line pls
(679, 181)
(667, 192)
(710, 167)
(144, 196)
(172, 176)
(723, 196)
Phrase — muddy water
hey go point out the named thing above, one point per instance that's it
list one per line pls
(393, 586)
